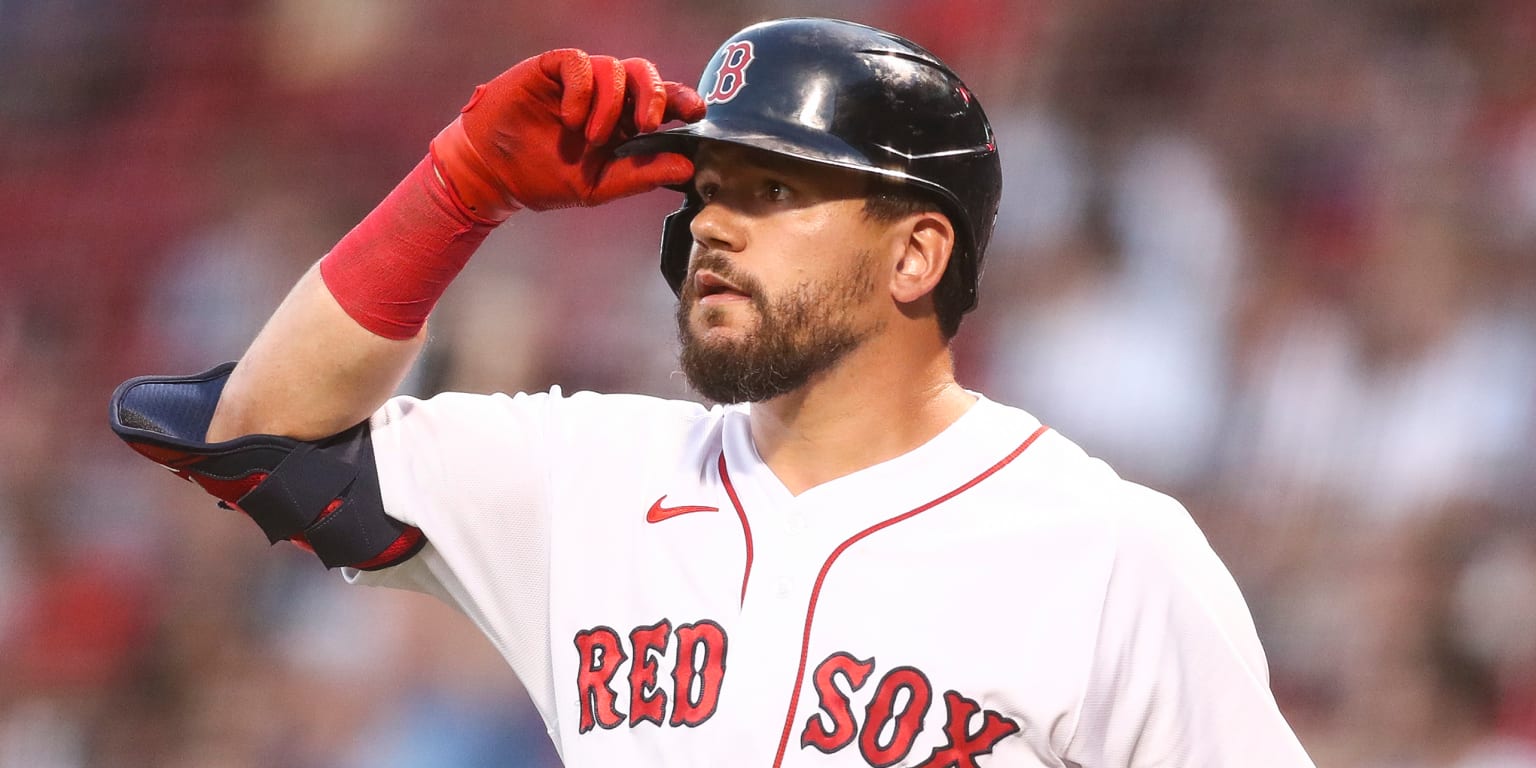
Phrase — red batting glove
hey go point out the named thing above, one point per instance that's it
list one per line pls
(542, 135)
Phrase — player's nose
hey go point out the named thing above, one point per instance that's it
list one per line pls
(718, 227)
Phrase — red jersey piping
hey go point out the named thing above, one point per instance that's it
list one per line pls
(810, 611)
(746, 530)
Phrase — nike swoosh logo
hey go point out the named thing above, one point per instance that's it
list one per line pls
(658, 513)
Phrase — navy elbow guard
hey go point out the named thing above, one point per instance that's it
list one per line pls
(322, 495)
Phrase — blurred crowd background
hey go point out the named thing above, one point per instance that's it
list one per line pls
(1274, 257)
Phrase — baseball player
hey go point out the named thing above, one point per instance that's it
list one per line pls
(851, 560)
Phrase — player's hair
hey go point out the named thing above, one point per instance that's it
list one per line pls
(891, 201)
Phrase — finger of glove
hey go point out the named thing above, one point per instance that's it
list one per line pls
(607, 99)
(683, 103)
(632, 175)
(572, 69)
(645, 86)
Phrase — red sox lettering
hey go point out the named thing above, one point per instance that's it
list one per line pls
(885, 730)
(697, 674)
(837, 725)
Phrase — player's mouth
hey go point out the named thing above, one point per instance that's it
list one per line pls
(711, 288)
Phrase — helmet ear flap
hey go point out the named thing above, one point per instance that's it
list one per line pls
(677, 243)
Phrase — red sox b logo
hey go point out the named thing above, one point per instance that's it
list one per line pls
(732, 75)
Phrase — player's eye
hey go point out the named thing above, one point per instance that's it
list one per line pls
(775, 191)
(707, 190)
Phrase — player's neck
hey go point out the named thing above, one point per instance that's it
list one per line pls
(877, 404)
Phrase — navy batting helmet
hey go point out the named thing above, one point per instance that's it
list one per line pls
(847, 95)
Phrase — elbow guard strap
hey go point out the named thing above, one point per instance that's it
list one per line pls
(322, 495)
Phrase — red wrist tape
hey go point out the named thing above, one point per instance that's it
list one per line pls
(390, 270)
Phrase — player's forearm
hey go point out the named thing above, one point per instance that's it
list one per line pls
(344, 338)
(311, 372)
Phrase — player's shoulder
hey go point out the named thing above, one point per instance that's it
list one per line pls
(593, 420)
(1149, 530)
(1065, 480)
(554, 402)
(596, 409)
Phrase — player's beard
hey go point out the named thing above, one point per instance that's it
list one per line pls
(798, 335)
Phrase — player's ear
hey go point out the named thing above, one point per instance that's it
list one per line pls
(926, 242)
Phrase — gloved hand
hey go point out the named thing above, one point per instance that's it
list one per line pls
(541, 135)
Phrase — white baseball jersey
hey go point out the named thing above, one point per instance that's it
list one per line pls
(994, 598)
